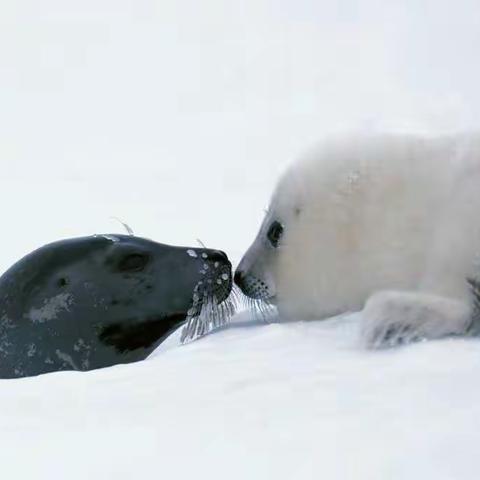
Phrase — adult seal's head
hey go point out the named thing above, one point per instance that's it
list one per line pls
(92, 302)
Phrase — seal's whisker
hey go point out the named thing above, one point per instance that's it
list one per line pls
(206, 315)
(236, 296)
(125, 226)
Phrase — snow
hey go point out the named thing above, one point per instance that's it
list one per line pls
(282, 401)
(177, 117)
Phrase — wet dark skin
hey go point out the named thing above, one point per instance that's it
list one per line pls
(92, 302)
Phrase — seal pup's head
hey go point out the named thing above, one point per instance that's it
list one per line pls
(262, 272)
(297, 252)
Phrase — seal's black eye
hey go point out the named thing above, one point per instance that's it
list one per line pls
(134, 262)
(274, 233)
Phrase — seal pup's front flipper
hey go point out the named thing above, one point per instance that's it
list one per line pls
(393, 318)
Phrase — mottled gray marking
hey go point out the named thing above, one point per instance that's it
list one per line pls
(51, 308)
(85, 349)
(65, 357)
(31, 350)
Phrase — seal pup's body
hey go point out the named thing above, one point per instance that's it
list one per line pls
(362, 216)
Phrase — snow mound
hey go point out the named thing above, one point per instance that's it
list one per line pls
(254, 401)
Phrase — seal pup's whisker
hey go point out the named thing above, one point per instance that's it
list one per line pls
(261, 309)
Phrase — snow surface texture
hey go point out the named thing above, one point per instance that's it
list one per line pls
(254, 401)
(177, 117)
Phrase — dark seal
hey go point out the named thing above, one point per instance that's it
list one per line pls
(92, 302)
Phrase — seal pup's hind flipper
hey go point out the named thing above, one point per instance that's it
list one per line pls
(474, 328)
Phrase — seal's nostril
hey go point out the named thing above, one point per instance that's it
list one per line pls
(238, 278)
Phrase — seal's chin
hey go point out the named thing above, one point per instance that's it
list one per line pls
(129, 334)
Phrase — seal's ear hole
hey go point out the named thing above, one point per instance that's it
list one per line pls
(134, 262)
(62, 282)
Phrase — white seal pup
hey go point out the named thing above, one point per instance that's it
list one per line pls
(388, 224)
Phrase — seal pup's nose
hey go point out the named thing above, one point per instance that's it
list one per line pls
(239, 278)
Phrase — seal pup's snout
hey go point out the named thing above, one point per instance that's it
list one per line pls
(240, 279)
(254, 275)
(259, 295)
(251, 286)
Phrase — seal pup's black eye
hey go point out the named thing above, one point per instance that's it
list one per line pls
(134, 262)
(274, 233)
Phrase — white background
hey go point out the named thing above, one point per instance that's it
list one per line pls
(177, 116)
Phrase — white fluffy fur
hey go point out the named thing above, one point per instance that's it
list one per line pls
(362, 215)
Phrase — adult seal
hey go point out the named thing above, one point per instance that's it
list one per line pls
(92, 302)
